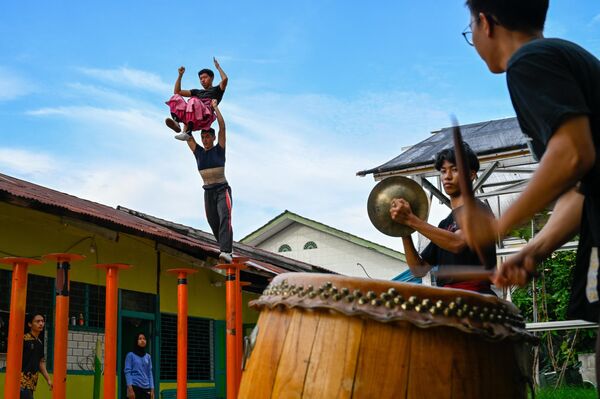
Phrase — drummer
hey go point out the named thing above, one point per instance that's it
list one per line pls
(554, 86)
(447, 246)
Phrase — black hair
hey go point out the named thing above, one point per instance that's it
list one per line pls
(449, 155)
(519, 15)
(210, 131)
(206, 71)
(31, 316)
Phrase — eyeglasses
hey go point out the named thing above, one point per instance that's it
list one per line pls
(468, 34)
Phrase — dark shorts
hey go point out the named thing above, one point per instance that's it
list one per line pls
(141, 393)
(26, 394)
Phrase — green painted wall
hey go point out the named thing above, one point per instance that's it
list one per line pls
(30, 233)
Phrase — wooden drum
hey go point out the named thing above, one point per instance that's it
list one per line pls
(328, 336)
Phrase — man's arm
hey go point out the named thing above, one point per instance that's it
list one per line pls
(224, 78)
(401, 212)
(562, 225)
(45, 372)
(177, 89)
(569, 155)
(418, 267)
(222, 135)
(191, 143)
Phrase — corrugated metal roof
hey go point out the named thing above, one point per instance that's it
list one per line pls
(484, 138)
(200, 244)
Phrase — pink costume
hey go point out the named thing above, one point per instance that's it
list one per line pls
(197, 111)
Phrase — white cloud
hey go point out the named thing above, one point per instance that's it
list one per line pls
(27, 163)
(13, 85)
(130, 78)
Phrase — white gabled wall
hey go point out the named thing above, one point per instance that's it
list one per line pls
(333, 253)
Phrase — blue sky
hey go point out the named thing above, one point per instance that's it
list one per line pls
(318, 90)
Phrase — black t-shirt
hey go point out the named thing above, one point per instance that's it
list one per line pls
(550, 81)
(213, 158)
(214, 92)
(33, 352)
(436, 256)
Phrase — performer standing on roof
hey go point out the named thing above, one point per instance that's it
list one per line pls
(197, 113)
(210, 159)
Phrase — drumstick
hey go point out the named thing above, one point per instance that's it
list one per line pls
(478, 273)
(466, 188)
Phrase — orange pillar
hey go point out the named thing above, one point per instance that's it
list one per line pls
(182, 329)
(16, 321)
(61, 321)
(233, 325)
(110, 327)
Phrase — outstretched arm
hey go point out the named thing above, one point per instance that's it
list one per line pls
(222, 135)
(401, 212)
(224, 78)
(562, 225)
(177, 89)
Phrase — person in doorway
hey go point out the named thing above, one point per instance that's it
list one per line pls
(33, 356)
(138, 371)
(197, 113)
(447, 246)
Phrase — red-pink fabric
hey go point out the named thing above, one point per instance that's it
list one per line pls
(469, 285)
(198, 111)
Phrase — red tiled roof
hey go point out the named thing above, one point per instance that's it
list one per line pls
(31, 195)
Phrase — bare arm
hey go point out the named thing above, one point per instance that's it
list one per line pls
(224, 78)
(45, 372)
(418, 267)
(192, 143)
(562, 225)
(177, 89)
(401, 212)
(222, 134)
(569, 155)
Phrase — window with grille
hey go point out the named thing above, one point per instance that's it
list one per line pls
(284, 248)
(88, 300)
(138, 301)
(200, 348)
(310, 245)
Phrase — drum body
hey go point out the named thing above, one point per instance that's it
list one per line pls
(324, 336)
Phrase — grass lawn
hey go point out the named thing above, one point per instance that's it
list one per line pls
(566, 392)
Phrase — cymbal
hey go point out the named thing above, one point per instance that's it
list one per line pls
(380, 199)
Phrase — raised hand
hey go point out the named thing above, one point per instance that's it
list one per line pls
(181, 70)
(216, 63)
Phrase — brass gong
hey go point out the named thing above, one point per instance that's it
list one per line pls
(380, 199)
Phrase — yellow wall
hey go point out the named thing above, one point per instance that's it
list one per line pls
(29, 233)
(82, 386)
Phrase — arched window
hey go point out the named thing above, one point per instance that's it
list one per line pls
(284, 248)
(310, 245)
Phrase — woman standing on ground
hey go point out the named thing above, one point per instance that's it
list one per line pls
(138, 371)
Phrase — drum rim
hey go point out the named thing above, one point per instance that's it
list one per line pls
(383, 301)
